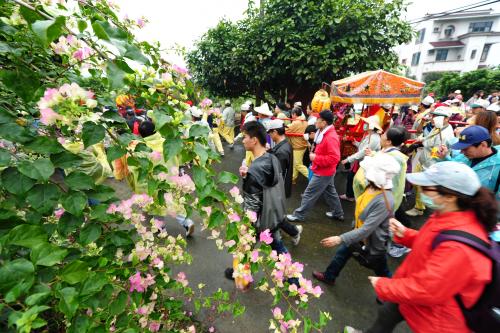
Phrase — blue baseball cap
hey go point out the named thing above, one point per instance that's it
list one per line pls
(471, 135)
(455, 176)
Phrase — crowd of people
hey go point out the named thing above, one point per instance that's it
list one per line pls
(446, 152)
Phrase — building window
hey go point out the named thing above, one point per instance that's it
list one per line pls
(480, 26)
(448, 32)
(436, 30)
(415, 59)
(403, 62)
(430, 52)
(420, 36)
(441, 55)
(473, 54)
(486, 50)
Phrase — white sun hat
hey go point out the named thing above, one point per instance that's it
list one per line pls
(264, 110)
(380, 169)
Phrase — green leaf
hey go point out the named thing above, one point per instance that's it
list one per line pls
(80, 324)
(43, 198)
(47, 254)
(120, 238)
(232, 231)
(102, 193)
(111, 115)
(202, 153)
(307, 325)
(90, 233)
(27, 235)
(197, 130)
(92, 133)
(68, 301)
(82, 25)
(75, 203)
(106, 31)
(228, 177)
(94, 284)
(29, 15)
(75, 272)
(115, 152)
(134, 53)
(15, 182)
(68, 223)
(40, 293)
(48, 30)
(21, 288)
(40, 169)
(216, 219)
(123, 66)
(171, 148)
(115, 75)
(23, 81)
(13, 272)
(45, 145)
(200, 176)
(66, 160)
(79, 181)
(118, 305)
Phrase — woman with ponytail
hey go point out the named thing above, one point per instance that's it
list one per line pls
(423, 289)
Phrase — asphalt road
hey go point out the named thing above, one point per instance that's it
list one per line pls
(350, 302)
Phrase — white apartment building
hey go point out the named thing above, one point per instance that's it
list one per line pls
(458, 42)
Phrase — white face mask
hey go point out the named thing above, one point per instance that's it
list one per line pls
(439, 122)
(306, 136)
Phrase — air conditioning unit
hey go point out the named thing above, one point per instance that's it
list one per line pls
(436, 30)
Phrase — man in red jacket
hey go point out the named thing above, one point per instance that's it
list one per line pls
(324, 156)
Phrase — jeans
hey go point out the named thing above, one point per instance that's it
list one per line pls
(388, 317)
(341, 258)
(277, 244)
(349, 192)
(288, 228)
(317, 186)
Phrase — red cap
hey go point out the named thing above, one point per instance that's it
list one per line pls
(190, 103)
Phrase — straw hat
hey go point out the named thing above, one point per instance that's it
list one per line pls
(264, 110)
(373, 122)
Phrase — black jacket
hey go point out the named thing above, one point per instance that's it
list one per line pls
(283, 151)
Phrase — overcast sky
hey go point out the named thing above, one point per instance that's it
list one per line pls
(184, 21)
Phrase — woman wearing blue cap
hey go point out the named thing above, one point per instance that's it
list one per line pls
(422, 291)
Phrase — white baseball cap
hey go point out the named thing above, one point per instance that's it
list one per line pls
(274, 124)
(195, 112)
(442, 111)
(264, 109)
(455, 176)
(458, 91)
(428, 100)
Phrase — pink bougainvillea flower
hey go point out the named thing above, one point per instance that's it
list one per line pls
(254, 256)
(136, 283)
(252, 216)
(82, 53)
(206, 103)
(58, 213)
(179, 69)
(154, 326)
(192, 329)
(211, 329)
(265, 237)
(155, 156)
(140, 23)
(235, 191)
(277, 313)
(181, 278)
(234, 217)
(48, 116)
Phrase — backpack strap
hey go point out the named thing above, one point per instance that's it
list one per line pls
(470, 240)
(464, 238)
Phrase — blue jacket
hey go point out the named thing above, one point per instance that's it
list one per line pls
(487, 170)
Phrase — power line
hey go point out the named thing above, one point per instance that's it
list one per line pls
(454, 11)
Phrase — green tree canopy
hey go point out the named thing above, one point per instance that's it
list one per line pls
(486, 79)
(289, 47)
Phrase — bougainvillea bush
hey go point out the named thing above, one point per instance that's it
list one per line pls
(73, 256)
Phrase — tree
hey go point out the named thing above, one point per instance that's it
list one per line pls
(73, 257)
(486, 79)
(288, 48)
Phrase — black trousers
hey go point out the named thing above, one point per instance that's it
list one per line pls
(388, 318)
(288, 228)
(349, 192)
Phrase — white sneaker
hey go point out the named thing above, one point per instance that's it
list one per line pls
(414, 212)
(296, 239)
(292, 218)
(398, 251)
(190, 230)
(349, 329)
(331, 216)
